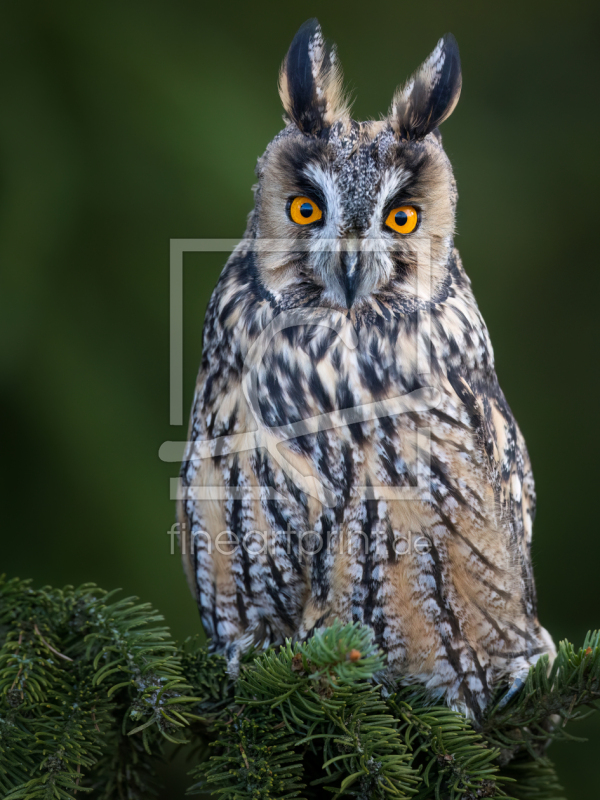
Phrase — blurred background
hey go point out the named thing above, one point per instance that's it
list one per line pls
(126, 124)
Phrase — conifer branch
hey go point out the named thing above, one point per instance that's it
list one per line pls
(93, 690)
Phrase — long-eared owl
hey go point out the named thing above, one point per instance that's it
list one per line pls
(351, 455)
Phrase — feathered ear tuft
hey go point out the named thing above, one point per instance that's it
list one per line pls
(310, 82)
(430, 94)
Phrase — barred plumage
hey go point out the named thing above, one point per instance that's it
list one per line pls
(347, 405)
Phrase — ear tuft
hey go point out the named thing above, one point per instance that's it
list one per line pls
(310, 82)
(430, 94)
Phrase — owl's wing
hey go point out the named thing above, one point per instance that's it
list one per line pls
(508, 463)
(236, 512)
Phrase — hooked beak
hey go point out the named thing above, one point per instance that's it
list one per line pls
(350, 276)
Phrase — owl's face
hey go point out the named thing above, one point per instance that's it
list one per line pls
(348, 212)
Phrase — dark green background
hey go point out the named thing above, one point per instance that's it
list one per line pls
(125, 124)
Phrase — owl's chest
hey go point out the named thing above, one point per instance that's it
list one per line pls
(366, 421)
(319, 376)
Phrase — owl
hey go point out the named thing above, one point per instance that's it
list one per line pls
(351, 455)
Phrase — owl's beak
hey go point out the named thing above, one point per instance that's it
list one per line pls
(350, 276)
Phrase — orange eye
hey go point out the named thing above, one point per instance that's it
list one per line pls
(303, 211)
(403, 219)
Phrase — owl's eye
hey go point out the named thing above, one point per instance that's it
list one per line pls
(303, 211)
(403, 219)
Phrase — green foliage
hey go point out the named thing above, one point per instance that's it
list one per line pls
(93, 691)
(321, 699)
(534, 779)
(79, 673)
(568, 690)
(451, 754)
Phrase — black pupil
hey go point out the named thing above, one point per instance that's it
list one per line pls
(306, 210)
(401, 218)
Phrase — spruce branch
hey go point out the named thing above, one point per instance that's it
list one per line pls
(93, 690)
(451, 752)
(534, 779)
(80, 675)
(551, 697)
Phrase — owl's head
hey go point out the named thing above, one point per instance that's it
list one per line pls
(346, 211)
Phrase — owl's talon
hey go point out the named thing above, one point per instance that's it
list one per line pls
(517, 685)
